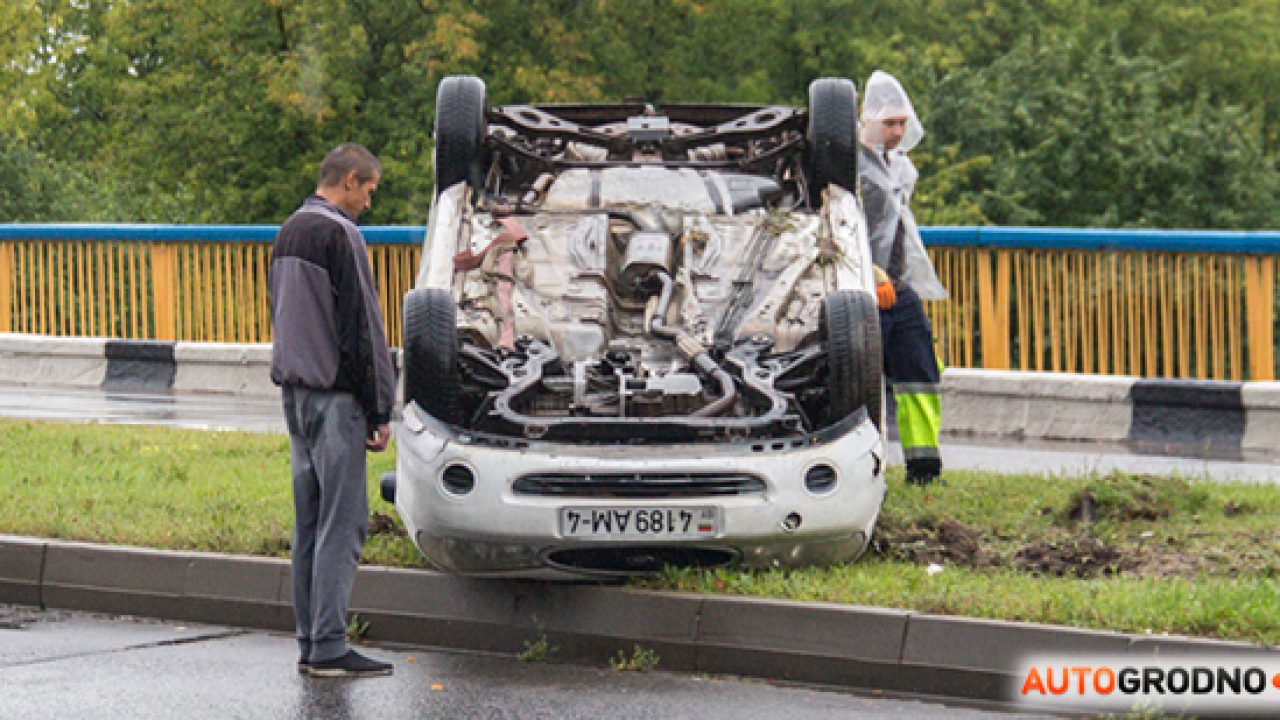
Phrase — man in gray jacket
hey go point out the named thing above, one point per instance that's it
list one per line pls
(330, 358)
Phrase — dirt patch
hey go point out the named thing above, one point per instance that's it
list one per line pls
(1073, 553)
(1082, 557)
(1090, 505)
(382, 524)
(1123, 497)
(1087, 557)
(1166, 563)
(1231, 508)
(929, 542)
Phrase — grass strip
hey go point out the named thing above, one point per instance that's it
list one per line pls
(174, 489)
(1122, 552)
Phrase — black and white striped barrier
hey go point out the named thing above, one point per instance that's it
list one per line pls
(1221, 419)
(139, 365)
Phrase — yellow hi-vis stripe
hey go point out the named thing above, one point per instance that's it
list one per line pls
(919, 418)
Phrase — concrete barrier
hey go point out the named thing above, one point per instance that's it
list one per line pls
(1045, 406)
(220, 368)
(137, 365)
(145, 365)
(1218, 419)
(1227, 420)
(61, 362)
(1262, 429)
(825, 643)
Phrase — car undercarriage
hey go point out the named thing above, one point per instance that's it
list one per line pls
(641, 335)
(656, 274)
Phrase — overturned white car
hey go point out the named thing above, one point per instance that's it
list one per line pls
(641, 336)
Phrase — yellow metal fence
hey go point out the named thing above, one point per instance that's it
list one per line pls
(1150, 313)
(1142, 313)
(198, 291)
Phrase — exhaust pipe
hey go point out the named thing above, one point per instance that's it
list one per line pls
(692, 351)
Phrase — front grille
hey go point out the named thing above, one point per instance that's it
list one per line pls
(638, 485)
(641, 559)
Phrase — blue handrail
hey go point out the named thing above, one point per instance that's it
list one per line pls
(1215, 241)
(1212, 241)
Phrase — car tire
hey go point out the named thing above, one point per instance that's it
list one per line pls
(832, 136)
(431, 376)
(849, 330)
(460, 130)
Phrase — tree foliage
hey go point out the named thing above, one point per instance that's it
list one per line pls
(1078, 133)
(1064, 112)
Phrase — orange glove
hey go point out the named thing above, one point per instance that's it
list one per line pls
(886, 296)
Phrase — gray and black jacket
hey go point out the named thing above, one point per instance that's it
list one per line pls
(325, 317)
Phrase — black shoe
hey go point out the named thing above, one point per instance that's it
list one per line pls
(303, 666)
(353, 664)
(923, 479)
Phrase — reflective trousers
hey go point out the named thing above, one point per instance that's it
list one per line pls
(914, 374)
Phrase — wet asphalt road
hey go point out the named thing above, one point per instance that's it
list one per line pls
(192, 410)
(71, 665)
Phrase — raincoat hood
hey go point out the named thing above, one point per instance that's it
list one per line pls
(884, 98)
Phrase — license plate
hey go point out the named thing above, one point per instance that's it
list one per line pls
(640, 522)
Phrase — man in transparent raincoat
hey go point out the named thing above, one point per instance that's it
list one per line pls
(904, 274)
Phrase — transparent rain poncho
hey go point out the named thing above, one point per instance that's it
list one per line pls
(883, 98)
(887, 181)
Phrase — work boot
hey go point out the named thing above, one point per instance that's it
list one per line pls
(924, 471)
(353, 664)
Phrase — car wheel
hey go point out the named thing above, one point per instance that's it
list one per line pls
(832, 154)
(849, 330)
(431, 353)
(459, 132)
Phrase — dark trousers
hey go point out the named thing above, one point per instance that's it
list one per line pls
(327, 431)
(912, 370)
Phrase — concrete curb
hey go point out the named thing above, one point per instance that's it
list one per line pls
(838, 645)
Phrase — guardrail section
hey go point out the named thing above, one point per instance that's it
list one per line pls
(1174, 304)
(1177, 304)
(197, 283)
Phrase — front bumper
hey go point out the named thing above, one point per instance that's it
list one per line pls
(495, 529)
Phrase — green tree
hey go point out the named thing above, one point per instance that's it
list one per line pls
(1081, 134)
(1059, 112)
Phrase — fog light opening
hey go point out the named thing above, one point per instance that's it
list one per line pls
(458, 479)
(820, 479)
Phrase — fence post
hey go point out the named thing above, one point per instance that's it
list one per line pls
(164, 301)
(993, 309)
(6, 286)
(7, 272)
(1259, 308)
